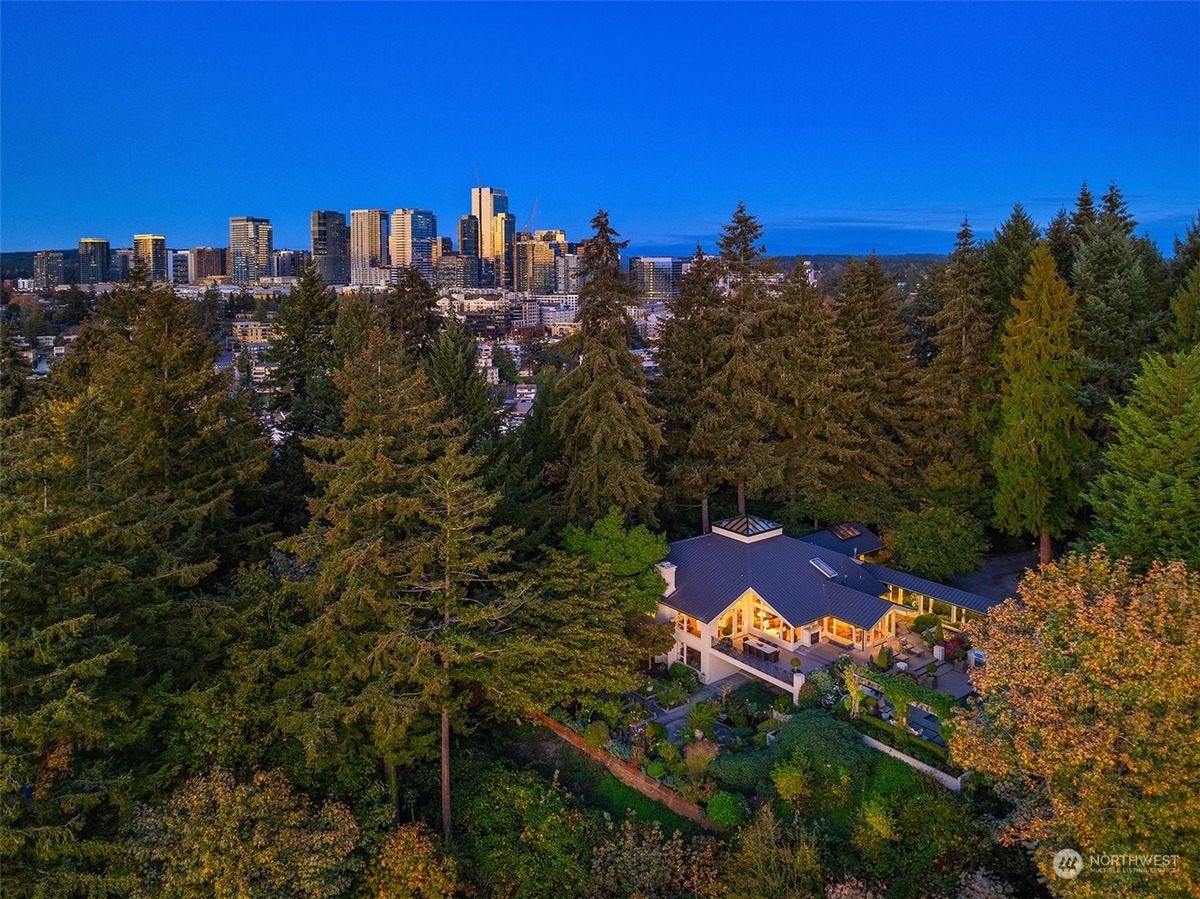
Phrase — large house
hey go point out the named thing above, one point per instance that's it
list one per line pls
(745, 597)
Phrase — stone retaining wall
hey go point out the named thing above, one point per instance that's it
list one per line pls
(633, 777)
(946, 780)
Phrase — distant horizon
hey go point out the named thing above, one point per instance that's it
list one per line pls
(842, 126)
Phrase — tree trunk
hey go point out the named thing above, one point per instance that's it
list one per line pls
(741, 498)
(1046, 550)
(704, 525)
(446, 771)
(393, 786)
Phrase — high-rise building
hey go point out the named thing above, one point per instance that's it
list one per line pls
(288, 263)
(47, 270)
(496, 226)
(150, 250)
(533, 265)
(504, 226)
(250, 249)
(458, 271)
(93, 260)
(568, 273)
(120, 261)
(468, 235)
(206, 263)
(411, 244)
(331, 246)
(656, 277)
(368, 247)
(180, 267)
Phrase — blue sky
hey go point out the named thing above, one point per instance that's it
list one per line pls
(844, 127)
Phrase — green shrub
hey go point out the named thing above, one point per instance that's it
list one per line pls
(925, 622)
(727, 809)
(702, 717)
(670, 753)
(656, 769)
(654, 731)
(672, 695)
(768, 724)
(596, 735)
(684, 676)
(808, 697)
(783, 703)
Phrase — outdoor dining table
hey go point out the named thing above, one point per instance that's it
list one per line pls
(760, 650)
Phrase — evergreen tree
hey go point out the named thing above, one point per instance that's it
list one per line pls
(608, 428)
(1062, 244)
(1118, 318)
(1186, 254)
(689, 357)
(868, 310)
(15, 388)
(1083, 218)
(132, 495)
(1008, 258)
(735, 430)
(1040, 444)
(457, 381)
(303, 391)
(956, 389)
(1147, 500)
(411, 311)
(1185, 313)
(816, 388)
(1114, 207)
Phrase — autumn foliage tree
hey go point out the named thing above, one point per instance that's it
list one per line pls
(1086, 718)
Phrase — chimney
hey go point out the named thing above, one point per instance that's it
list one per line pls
(667, 570)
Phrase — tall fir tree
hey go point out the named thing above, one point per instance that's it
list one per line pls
(1119, 321)
(735, 430)
(133, 497)
(458, 382)
(1184, 331)
(689, 356)
(1062, 244)
(1146, 501)
(1008, 258)
(609, 430)
(1041, 443)
(411, 311)
(957, 388)
(868, 311)
(1083, 218)
(1186, 253)
(303, 393)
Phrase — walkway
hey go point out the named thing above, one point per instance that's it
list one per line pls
(675, 720)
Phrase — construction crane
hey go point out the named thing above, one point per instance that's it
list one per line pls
(478, 182)
(532, 216)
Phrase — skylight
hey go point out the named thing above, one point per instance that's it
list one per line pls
(845, 531)
(822, 566)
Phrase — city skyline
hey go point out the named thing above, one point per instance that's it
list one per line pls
(844, 127)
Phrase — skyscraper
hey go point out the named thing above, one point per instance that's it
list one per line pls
(180, 266)
(489, 205)
(249, 249)
(47, 270)
(120, 261)
(331, 246)
(93, 260)
(411, 244)
(533, 265)
(150, 250)
(468, 235)
(288, 263)
(205, 263)
(368, 247)
(656, 277)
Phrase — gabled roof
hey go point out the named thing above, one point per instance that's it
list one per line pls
(712, 571)
(933, 589)
(849, 539)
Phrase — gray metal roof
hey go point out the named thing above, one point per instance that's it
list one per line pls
(712, 571)
(951, 595)
(857, 540)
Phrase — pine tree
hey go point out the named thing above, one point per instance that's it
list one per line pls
(1083, 218)
(816, 388)
(868, 311)
(688, 358)
(1114, 207)
(956, 389)
(1008, 258)
(735, 430)
(464, 392)
(411, 311)
(1062, 244)
(1118, 318)
(1147, 500)
(1040, 444)
(1185, 314)
(1186, 253)
(608, 428)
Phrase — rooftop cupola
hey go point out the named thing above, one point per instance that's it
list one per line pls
(747, 528)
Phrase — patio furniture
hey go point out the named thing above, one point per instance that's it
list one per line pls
(760, 650)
